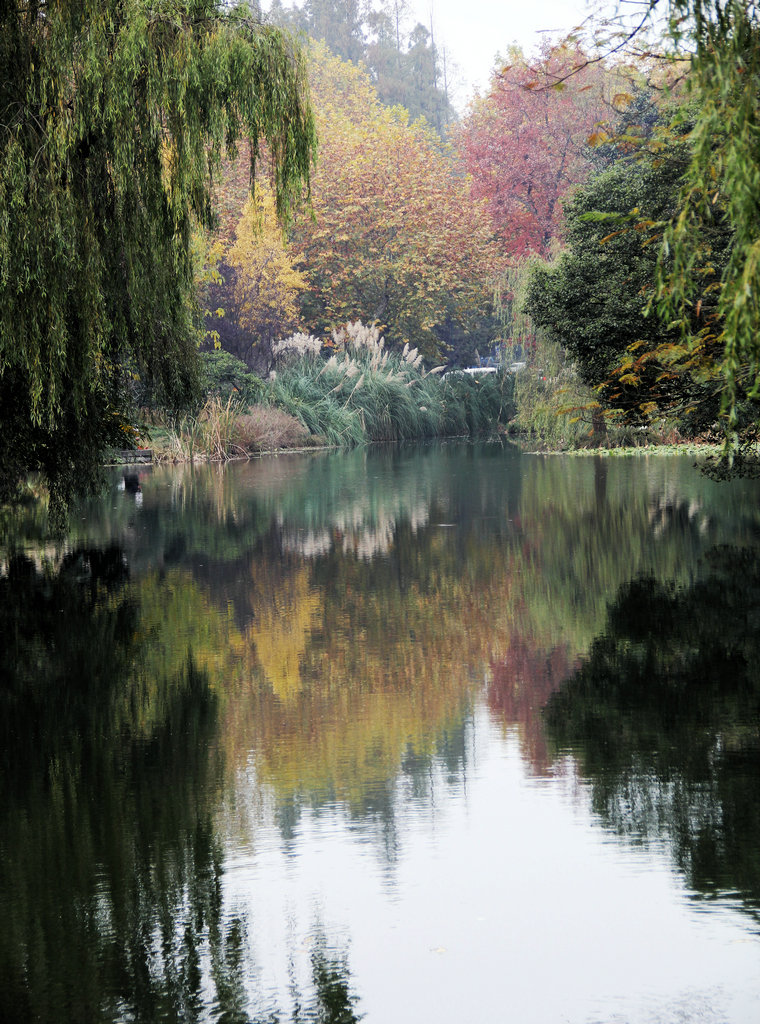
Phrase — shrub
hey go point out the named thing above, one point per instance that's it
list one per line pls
(556, 409)
(226, 377)
(266, 428)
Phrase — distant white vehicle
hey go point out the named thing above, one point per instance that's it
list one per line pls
(477, 371)
(473, 371)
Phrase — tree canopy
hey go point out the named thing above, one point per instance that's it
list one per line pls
(406, 67)
(265, 284)
(394, 236)
(715, 45)
(526, 142)
(396, 239)
(705, 285)
(115, 115)
(721, 181)
(594, 299)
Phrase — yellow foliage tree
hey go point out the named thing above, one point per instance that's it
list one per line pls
(396, 238)
(266, 284)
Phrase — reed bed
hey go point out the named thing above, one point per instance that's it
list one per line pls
(226, 430)
(362, 392)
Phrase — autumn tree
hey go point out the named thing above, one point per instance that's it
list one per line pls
(114, 118)
(265, 284)
(396, 238)
(525, 143)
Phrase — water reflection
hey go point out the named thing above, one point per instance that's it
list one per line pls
(209, 689)
(109, 864)
(331, 999)
(664, 718)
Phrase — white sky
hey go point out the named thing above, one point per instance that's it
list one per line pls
(474, 31)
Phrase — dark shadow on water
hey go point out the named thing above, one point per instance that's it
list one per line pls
(110, 868)
(664, 718)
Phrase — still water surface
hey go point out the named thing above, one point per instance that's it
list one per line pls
(446, 734)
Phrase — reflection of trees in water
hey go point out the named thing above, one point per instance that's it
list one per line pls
(109, 868)
(361, 674)
(334, 1002)
(522, 681)
(665, 719)
(408, 781)
(343, 678)
(350, 653)
(206, 513)
(330, 999)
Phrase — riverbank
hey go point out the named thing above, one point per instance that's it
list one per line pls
(684, 448)
(335, 404)
(178, 446)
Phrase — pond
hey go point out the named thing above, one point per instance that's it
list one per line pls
(443, 733)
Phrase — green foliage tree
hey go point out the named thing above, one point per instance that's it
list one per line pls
(720, 41)
(338, 23)
(114, 119)
(401, 56)
(594, 298)
(723, 175)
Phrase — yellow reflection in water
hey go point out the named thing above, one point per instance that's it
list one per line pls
(281, 631)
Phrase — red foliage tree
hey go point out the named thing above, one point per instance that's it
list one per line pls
(526, 142)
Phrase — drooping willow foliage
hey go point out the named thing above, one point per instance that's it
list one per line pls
(722, 183)
(114, 115)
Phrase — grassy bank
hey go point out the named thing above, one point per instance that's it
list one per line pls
(359, 393)
(684, 448)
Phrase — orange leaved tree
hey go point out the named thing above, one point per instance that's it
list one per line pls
(395, 237)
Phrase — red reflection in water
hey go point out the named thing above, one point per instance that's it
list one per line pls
(521, 683)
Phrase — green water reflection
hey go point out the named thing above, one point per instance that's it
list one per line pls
(325, 626)
(108, 858)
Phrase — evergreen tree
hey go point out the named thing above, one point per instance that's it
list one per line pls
(594, 298)
(339, 23)
(403, 63)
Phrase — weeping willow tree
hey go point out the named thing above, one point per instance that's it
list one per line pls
(721, 186)
(114, 116)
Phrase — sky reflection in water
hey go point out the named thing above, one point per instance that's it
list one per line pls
(372, 815)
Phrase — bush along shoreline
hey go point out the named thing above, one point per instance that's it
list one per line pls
(356, 393)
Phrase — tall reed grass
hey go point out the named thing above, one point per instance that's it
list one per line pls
(364, 392)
